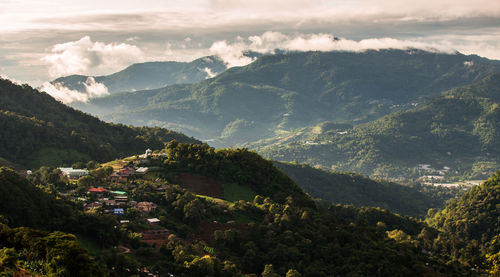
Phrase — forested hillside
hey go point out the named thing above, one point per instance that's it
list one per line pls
(459, 130)
(474, 221)
(150, 75)
(212, 237)
(281, 231)
(278, 93)
(354, 189)
(37, 130)
(475, 216)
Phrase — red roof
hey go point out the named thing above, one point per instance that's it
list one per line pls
(99, 189)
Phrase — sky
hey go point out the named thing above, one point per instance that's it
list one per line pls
(44, 40)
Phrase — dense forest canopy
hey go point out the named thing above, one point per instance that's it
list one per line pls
(37, 130)
(286, 91)
(458, 130)
(354, 189)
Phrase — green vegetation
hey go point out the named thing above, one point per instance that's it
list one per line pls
(239, 166)
(458, 129)
(150, 75)
(475, 215)
(281, 231)
(235, 192)
(287, 91)
(43, 253)
(473, 224)
(354, 189)
(37, 130)
(22, 204)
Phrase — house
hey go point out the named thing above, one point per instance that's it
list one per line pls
(146, 207)
(148, 153)
(141, 170)
(72, 173)
(93, 205)
(118, 211)
(121, 199)
(153, 221)
(123, 174)
(430, 178)
(97, 190)
(142, 162)
(110, 203)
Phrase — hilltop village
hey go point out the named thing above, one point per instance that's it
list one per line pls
(109, 193)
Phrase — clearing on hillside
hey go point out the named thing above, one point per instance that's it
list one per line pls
(201, 185)
(234, 192)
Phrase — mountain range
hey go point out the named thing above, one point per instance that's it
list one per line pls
(229, 212)
(457, 132)
(150, 75)
(282, 104)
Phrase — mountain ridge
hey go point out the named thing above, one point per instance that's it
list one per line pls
(458, 129)
(150, 75)
(38, 130)
(282, 92)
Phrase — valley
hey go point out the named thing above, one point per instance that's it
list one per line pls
(340, 163)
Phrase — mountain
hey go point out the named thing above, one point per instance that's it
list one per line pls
(281, 231)
(456, 133)
(209, 231)
(282, 92)
(475, 216)
(150, 75)
(38, 130)
(473, 224)
(22, 204)
(357, 190)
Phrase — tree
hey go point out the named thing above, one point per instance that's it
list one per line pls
(293, 273)
(8, 258)
(92, 165)
(269, 271)
(86, 181)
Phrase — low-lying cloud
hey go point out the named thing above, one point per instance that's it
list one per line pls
(95, 89)
(91, 58)
(63, 94)
(233, 53)
(66, 95)
(209, 72)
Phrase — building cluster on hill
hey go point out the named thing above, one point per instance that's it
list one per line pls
(118, 202)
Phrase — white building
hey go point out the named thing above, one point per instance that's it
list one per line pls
(72, 173)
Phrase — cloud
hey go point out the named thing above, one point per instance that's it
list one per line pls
(63, 94)
(95, 89)
(209, 72)
(66, 95)
(87, 57)
(233, 53)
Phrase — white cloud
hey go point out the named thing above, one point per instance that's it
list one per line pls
(66, 95)
(63, 94)
(95, 89)
(91, 58)
(233, 54)
(209, 72)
